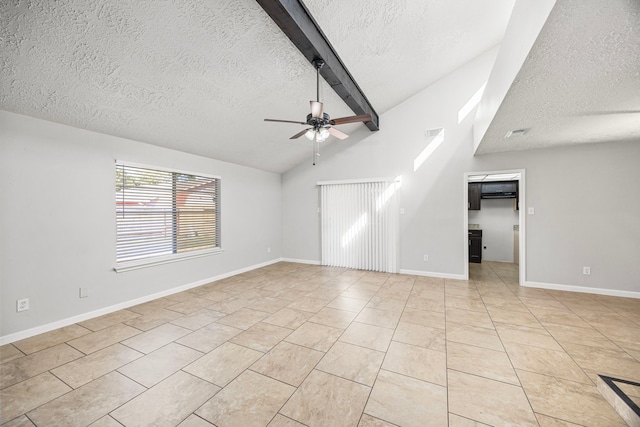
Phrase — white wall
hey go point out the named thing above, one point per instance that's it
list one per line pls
(431, 196)
(585, 213)
(496, 219)
(57, 221)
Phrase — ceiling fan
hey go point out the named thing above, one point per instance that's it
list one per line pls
(320, 122)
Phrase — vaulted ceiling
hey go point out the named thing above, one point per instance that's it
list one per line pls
(200, 76)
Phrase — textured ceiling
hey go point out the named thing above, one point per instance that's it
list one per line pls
(396, 48)
(580, 82)
(199, 76)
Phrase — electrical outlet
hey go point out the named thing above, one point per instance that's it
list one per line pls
(84, 292)
(586, 271)
(22, 305)
(426, 258)
(268, 250)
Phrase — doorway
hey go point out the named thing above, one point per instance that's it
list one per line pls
(517, 230)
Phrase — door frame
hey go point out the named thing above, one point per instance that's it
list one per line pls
(521, 220)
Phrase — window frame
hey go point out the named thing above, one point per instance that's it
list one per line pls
(122, 266)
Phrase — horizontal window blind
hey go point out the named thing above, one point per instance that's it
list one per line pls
(159, 213)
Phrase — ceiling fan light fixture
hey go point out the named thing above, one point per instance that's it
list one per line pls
(323, 133)
(316, 109)
(310, 134)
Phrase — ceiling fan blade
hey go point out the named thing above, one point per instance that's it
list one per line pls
(316, 109)
(351, 119)
(285, 121)
(335, 132)
(299, 134)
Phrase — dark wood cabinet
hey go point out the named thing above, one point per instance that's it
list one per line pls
(493, 190)
(475, 195)
(475, 246)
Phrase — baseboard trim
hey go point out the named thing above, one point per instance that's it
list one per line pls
(300, 261)
(583, 289)
(433, 274)
(17, 336)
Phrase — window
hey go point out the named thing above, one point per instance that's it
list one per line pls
(163, 215)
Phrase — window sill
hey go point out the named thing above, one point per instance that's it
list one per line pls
(151, 262)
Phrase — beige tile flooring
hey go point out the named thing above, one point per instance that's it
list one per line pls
(295, 345)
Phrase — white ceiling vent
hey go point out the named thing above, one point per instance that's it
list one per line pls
(517, 132)
(431, 133)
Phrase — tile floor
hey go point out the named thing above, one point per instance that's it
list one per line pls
(295, 345)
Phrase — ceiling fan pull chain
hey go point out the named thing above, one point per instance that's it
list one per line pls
(316, 152)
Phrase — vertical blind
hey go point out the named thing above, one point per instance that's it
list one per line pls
(360, 225)
(160, 213)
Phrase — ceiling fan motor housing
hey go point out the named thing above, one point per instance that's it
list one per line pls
(317, 122)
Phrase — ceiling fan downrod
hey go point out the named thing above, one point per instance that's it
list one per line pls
(318, 63)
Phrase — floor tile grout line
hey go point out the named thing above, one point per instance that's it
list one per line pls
(467, 418)
(555, 377)
(478, 346)
(414, 378)
(560, 419)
